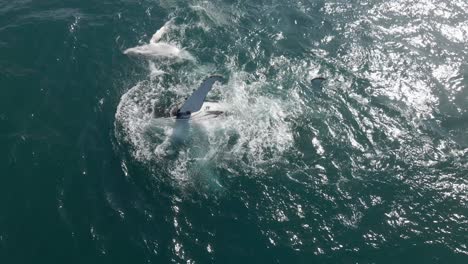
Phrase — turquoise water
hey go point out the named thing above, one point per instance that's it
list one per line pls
(371, 168)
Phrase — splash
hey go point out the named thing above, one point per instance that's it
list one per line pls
(254, 129)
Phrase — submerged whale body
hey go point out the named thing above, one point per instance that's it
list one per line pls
(157, 49)
(160, 50)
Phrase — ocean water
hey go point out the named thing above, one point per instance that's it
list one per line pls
(372, 167)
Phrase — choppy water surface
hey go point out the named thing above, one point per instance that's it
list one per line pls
(371, 168)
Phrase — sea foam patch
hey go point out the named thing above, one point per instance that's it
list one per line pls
(255, 127)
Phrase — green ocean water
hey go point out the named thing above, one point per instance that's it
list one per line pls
(372, 167)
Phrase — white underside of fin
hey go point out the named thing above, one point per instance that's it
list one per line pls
(209, 110)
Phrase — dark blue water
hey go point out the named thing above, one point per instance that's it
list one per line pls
(371, 167)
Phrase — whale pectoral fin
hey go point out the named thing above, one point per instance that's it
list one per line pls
(195, 102)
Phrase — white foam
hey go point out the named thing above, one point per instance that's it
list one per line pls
(162, 31)
(254, 133)
(155, 72)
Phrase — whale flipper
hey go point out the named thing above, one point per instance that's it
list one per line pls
(195, 101)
